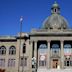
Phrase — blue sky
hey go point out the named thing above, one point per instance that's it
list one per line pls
(34, 13)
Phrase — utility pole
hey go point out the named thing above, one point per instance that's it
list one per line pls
(21, 20)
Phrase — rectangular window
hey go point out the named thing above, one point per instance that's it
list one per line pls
(42, 63)
(11, 63)
(68, 63)
(23, 61)
(2, 62)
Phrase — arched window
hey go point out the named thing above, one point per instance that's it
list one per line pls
(12, 50)
(67, 46)
(2, 50)
(24, 48)
(67, 49)
(43, 46)
(42, 54)
(55, 10)
(55, 46)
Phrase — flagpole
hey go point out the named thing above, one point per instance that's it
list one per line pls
(21, 20)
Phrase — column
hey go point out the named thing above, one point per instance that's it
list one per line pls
(35, 54)
(62, 55)
(35, 49)
(48, 57)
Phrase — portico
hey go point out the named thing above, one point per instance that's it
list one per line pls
(47, 52)
(52, 44)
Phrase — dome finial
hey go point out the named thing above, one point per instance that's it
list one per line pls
(55, 8)
(55, 2)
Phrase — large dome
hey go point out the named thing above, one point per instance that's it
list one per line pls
(55, 21)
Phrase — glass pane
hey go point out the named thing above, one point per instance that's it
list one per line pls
(43, 49)
(42, 46)
(67, 51)
(55, 46)
(67, 46)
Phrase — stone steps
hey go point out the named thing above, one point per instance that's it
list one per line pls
(54, 70)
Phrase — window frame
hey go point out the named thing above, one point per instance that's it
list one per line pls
(11, 62)
(2, 50)
(12, 50)
(2, 62)
(23, 61)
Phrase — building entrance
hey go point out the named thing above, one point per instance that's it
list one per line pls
(55, 63)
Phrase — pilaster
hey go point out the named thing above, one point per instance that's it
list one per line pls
(35, 53)
(35, 49)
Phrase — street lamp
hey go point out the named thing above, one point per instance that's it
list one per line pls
(21, 20)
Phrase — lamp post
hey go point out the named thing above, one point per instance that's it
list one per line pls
(21, 20)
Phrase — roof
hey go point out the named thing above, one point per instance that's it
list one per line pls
(55, 20)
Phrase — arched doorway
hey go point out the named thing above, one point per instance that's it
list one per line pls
(55, 63)
(55, 54)
(67, 54)
(42, 54)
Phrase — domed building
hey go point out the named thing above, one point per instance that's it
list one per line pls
(47, 49)
(55, 21)
(53, 42)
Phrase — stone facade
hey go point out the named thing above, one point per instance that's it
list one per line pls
(50, 46)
